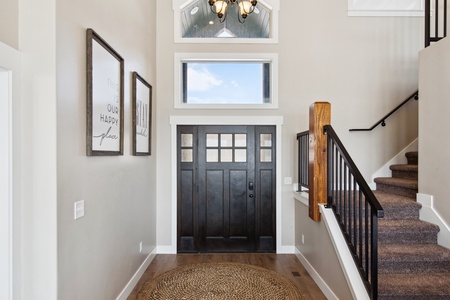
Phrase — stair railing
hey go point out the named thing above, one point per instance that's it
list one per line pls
(382, 121)
(356, 209)
(347, 193)
(438, 22)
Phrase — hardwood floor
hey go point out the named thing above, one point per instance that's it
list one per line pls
(284, 264)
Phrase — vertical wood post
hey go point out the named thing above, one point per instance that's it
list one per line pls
(319, 116)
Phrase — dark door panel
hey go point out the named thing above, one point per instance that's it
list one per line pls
(229, 204)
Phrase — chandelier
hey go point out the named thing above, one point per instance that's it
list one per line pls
(220, 8)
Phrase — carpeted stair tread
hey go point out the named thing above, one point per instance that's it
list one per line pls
(404, 171)
(423, 258)
(407, 232)
(400, 186)
(399, 182)
(414, 286)
(397, 206)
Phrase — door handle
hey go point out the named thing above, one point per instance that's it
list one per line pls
(250, 185)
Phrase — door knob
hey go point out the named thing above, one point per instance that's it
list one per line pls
(251, 195)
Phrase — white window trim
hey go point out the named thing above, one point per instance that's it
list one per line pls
(179, 58)
(278, 121)
(355, 10)
(272, 5)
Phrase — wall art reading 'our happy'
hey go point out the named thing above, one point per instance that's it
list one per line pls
(104, 111)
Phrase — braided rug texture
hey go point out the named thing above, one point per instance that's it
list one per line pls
(219, 281)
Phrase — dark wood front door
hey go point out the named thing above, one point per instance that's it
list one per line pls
(226, 189)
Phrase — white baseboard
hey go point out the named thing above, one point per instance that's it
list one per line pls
(166, 250)
(315, 276)
(136, 277)
(429, 214)
(286, 250)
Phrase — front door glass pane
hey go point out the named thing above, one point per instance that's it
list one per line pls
(240, 155)
(186, 140)
(212, 155)
(266, 155)
(240, 140)
(226, 140)
(226, 155)
(266, 140)
(212, 140)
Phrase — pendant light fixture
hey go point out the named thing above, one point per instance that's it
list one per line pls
(220, 8)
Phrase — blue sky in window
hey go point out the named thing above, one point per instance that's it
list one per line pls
(225, 83)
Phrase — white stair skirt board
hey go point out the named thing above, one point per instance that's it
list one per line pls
(400, 158)
(429, 214)
(343, 253)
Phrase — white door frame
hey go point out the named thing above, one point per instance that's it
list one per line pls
(6, 253)
(226, 120)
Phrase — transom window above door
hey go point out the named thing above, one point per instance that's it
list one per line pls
(226, 80)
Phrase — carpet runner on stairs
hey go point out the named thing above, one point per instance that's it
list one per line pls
(411, 264)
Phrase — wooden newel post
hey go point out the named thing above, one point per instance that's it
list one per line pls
(319, 116)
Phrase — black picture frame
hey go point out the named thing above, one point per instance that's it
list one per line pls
(141, 107)
(105, 97)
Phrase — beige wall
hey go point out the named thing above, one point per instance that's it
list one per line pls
(99, 253)
(434, 125)
(9, 23)
(363, 66)
(319, 251)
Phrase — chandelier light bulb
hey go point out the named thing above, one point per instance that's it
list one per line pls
(245, 8)
(220, 7)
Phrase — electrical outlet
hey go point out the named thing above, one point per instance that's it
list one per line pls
(140, 247)
(78, 209)
(303, 239)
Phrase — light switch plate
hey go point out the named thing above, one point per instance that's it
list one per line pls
(78, 209)
(287, 180)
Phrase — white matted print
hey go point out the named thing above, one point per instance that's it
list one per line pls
(105, 76)
(142, 115)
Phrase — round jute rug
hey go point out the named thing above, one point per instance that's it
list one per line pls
(219, 281)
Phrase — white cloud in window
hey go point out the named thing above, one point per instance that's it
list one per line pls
(201, 79)
(234, 83)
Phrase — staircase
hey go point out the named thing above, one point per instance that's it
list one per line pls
(411, 264)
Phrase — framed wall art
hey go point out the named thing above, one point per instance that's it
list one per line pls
(141, 106)
(105, 96)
